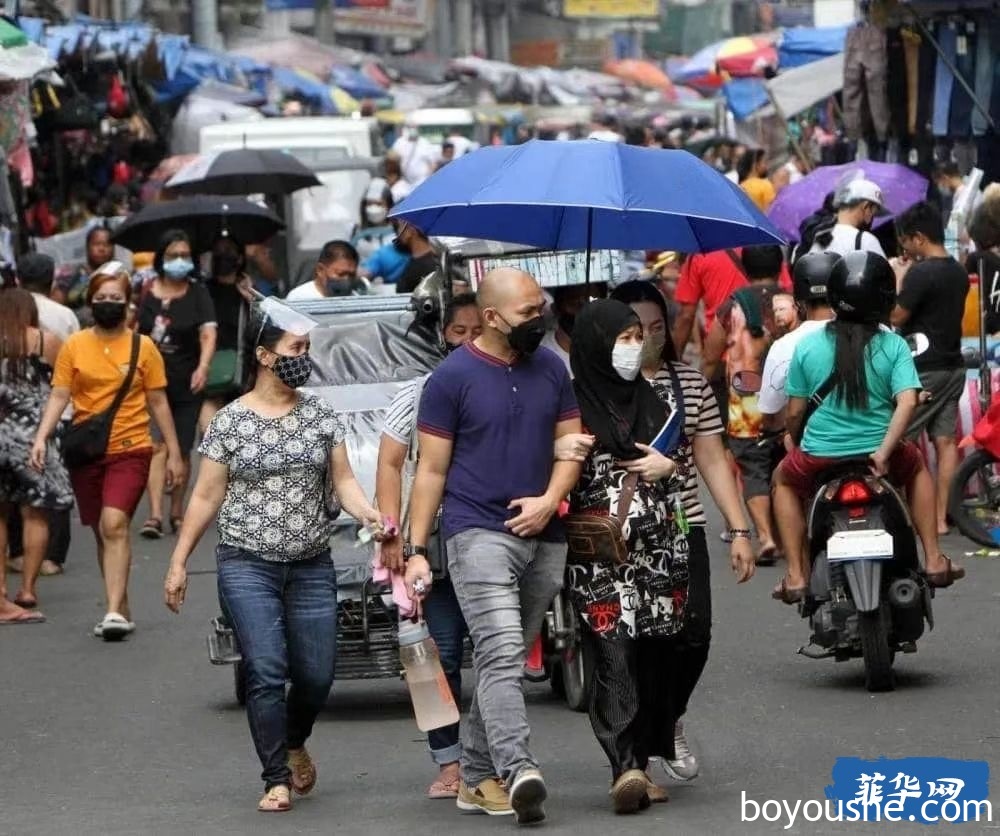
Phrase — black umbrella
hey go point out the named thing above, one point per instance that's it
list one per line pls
(204, 218)
(243, 171)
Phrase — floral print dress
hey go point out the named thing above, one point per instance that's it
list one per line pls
(646, 596)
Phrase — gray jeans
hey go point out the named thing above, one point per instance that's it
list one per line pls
(504, 585)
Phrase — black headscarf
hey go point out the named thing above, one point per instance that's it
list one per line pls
(619, 412)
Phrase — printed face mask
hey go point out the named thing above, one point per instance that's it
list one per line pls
(294, 372)
(626, 360)
(652, 349)
(108, 314)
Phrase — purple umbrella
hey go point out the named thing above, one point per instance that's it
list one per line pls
(901, 188)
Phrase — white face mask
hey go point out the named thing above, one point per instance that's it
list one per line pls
(375, 213)
(626, 360)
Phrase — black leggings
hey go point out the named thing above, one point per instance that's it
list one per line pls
(641, 687)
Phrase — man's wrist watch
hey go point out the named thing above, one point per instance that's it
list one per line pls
(409, 550)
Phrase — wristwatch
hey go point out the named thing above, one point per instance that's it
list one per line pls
(409, 550)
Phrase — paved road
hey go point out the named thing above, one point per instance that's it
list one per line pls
(144, 737)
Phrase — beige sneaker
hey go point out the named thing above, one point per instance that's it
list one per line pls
(489, 797)
(630, 792)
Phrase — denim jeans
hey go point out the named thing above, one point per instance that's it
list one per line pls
(285, 618)
(447, 627)
(504, 585)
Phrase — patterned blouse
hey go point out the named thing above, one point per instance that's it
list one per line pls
(275, 504)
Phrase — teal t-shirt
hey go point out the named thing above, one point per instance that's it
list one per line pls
(835, 431)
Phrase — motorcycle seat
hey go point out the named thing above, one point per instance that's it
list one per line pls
(856, 466)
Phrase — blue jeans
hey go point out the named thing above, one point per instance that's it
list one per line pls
(447, 627)
(285, 618)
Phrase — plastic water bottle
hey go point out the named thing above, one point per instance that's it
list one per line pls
(433, 703)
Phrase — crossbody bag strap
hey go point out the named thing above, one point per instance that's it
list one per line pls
(675, 384)
(814, 403)
(625, 500)
(129, 376)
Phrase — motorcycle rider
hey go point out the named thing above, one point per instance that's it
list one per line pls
(809, 277)
(867, 388)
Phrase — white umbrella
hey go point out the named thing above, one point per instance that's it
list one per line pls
(18, 63)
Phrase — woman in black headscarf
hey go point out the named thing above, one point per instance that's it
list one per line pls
(629, 611)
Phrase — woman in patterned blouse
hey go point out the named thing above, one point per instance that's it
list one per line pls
(263, 473)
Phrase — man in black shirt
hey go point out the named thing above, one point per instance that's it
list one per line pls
(423, 259)
(931, 301)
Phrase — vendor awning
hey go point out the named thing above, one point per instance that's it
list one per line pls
(801, 88)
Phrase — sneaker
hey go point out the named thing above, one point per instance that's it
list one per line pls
(684, 765)
(489, 797)
(114, 627)
(526, 796)
(630, 792)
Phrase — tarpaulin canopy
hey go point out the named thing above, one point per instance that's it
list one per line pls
(801, 88)
(744, 96)
(806, 45)
(19, 58)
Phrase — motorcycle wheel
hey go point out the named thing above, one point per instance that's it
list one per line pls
(974, 498)
(240, 683)
(576, 667)
(873, 630)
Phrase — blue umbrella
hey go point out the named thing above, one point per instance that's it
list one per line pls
(587, 194)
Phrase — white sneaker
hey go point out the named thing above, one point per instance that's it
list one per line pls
(114, 627)
(527, 794)
(684, 765)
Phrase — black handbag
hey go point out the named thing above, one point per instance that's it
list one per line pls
(87, 441)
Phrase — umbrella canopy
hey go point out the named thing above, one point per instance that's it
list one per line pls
(901, 188)
(587, 194)
(205, 218)
(20, 59)
(742, 56)
(243, 171)
(642, 73)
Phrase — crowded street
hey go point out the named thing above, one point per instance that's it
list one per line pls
(146, 737)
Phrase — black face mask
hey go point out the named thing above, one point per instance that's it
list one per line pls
(293, 371)
(108, 314)
(450, 347)
(527, 336)
(566, 323)
(339, 286)
(400, 246)
(225, 264)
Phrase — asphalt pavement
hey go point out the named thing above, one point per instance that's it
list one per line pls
(145, 737)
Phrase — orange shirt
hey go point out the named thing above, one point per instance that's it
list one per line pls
(760, 191)
(94, 369)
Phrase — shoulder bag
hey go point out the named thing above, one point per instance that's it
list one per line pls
(225, 373)
(593, 538)
(87, 441)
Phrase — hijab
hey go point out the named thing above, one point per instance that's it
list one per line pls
(618, 412)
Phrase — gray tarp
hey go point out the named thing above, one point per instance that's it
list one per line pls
(798, 89)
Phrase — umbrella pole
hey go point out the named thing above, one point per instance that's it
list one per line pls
(985, 379)
(590, 238)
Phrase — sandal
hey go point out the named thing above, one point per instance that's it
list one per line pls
(444, 788)
(938, 580)
(303, 770)
(49, 568)
(788, 594)
(175, 524)
(278, 799)
(152, 529)
(768, 556)
(24, 617)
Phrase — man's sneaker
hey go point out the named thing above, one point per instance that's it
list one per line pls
(489, 797)
(527, 794)
(630, 792)
(684, 765)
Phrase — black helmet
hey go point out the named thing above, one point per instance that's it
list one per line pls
(812, 275)
(862, 287)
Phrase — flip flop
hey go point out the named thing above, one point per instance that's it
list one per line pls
(152, 529)
(939, 580)
(24, 617)
(788, 594)
(443, 789)
(115, 627)
(768, 556)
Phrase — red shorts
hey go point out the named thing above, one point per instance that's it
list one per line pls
(116, 481)
(801, 469)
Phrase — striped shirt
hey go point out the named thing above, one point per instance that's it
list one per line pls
(701, 417)
(401, 417)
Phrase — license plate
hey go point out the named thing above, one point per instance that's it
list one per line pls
(859, 545)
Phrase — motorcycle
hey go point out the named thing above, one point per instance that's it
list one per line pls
(867, 596)
(974, 496)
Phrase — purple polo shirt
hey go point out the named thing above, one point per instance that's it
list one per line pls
(501, 419)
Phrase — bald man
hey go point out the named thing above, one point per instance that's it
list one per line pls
(488, 418)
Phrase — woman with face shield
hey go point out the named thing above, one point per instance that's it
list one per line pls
(267, 458)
